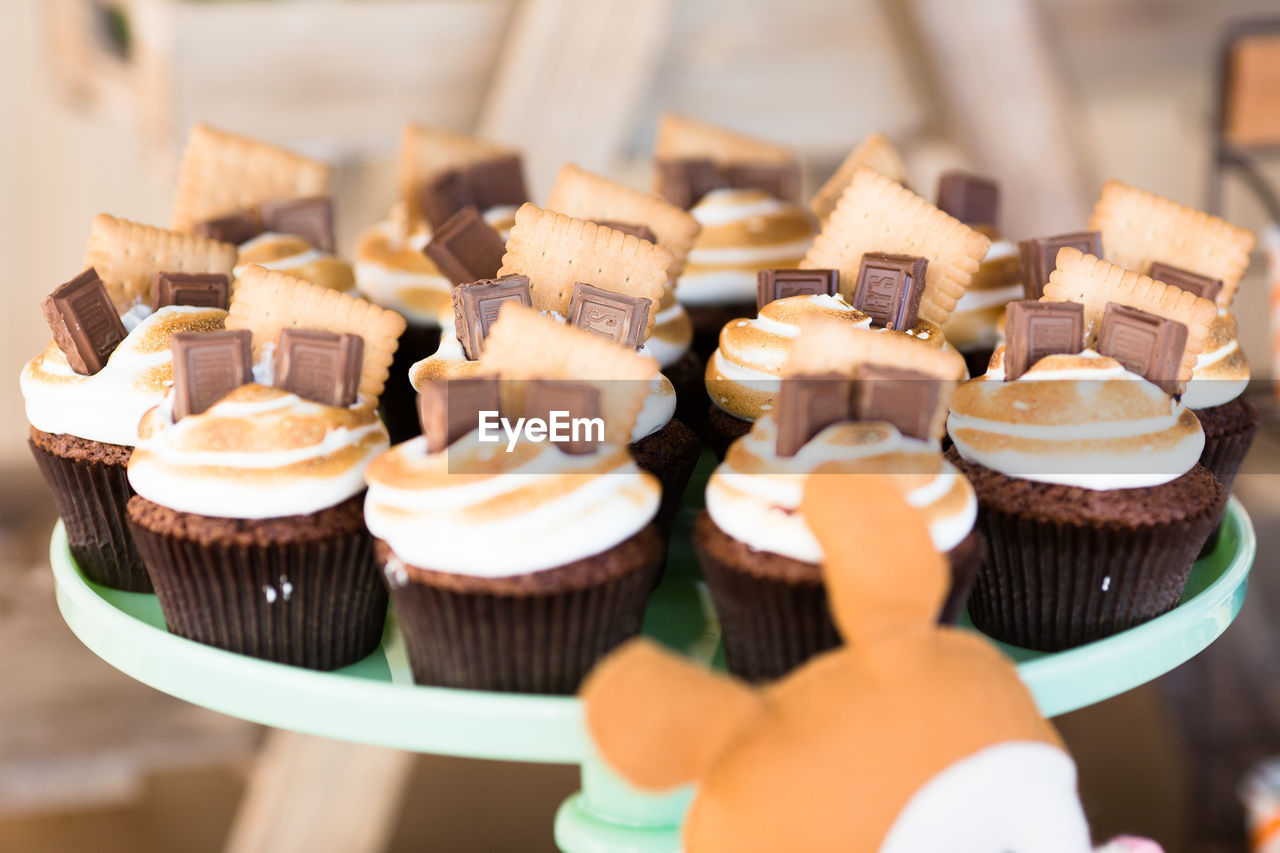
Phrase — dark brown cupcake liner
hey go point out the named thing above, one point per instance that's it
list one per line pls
(1227, 439)
(708, 320)
(399, 404)
(670, 454)
(316, 603)
(1050, 586)
(92, 498)
(771, 625)
(724, 430)
(539, 637)
(689, 377)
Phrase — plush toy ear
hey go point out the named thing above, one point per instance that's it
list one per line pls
(882, 572)
(659, 720)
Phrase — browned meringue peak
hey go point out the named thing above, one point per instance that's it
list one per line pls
(294, 255)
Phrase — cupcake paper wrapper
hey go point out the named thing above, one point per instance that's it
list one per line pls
(1049, 586)
(1224, 453)
(399, 405)
(92, 498)
(317, 604)
(531, 643)
(770, 626)
(670, 454)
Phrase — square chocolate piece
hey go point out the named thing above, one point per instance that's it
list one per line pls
(476, 306)
(466, 248)
(308, 218)
(1201, 285)
(450, 408)
(806, 405)
(206, 367)
(615, 316)
(908, 399)
(780, 180)
(1146, 344)
(84, 322)
(779, 284)
(1034, 329)
(889, 289)
(497, 182)
(201, 289)
(633, 228)
(684, 181)
(443, 196)
(1040, 257)
(576, 401)
(234, 228)
(320, 366)
(972, 199)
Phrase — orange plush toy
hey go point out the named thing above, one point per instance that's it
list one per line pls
(913, 738)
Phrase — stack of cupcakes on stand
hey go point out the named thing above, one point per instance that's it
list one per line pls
(974, 325)
(584, 195)
(744, 192)
(871, 402)
(600, 279)
(250, 476)
(441, 175)
(886, 259)
(516, 562)
(271, 202)
(109, 363)
(1092, 499)
(1206, 256)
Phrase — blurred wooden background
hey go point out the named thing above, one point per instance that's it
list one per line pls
(1053, 96)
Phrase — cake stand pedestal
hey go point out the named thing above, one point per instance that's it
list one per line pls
(375, 701)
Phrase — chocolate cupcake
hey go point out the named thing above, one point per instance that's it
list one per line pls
(761, 561)
(743, 192)
(516, 560)
(1091, 497)
(86, 393)
(392, 268)
(248, 511)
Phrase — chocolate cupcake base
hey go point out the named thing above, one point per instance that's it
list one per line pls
(708, 320)
(538, 632)
(773, 610)
(724, 430)
(91, 492)
(301, 590)
(399, 405)
(688, 377)
(1229, 430)
(1066, 566)
(669, 454)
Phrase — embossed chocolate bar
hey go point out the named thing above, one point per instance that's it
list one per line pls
(1035, 329)
(450, 408)
(1201, 285)
(611, 315)
(476, 306)
(907, 399)
(806, 405)
(580, 400)
(1146, 344)
(234, 228)
(466, 248)
(779, 284)
(309, 218)
(684, 181)
(889, 289)
(202, 289)
(972, 199)
(84, 322)
(1040, 256)
(319, 365)
(206, 367)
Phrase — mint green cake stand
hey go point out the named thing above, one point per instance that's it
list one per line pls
(375, 701)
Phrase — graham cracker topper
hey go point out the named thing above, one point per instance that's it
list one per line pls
(878, 215)
(267, 301)
(222, 173)
(681, 137)
(127, 256)
(557, 251)
(586, 195)
(1094, 282)
(875, 152)
(1139, 228)
(428, 152)
(903, 703)
(524, 344)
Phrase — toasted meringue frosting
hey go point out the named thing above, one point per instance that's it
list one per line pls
(258, 452)
(1076, 420)
(449, 362)
(975, 321)
(295, 256)
(754, 495)
(393, 271)
(743, 373)
(502, 513)
(671, 335)
(743, 231)
(1221, 373)
(107, 406)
